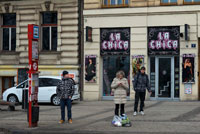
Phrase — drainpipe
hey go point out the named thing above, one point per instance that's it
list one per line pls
(81, 46)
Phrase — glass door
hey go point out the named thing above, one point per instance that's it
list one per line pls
(164, 77)
(112, 64)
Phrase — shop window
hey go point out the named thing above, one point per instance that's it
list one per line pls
(22, 75)
(191, 1)
(115, 3)
(168, 2)
(9, 32)
(7, 82)
(49, 31)
(111, 65)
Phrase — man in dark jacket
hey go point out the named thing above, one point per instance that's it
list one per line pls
(65, 91)
(140, 83)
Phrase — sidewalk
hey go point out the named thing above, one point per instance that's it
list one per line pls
(95, 118)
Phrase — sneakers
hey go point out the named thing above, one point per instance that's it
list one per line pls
(70, 121)
(135, 113)
(61, 121)
(142, 112)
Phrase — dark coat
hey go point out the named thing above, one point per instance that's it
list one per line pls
(65, 88)
(141, 82)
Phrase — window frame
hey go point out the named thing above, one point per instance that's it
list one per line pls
(116, 5)
(50, 26)
(169, 3)
(10, 27)
(191, 3)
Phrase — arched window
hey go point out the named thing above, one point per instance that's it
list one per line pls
(115, 3)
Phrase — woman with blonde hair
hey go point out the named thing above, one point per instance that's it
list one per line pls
(119, 87)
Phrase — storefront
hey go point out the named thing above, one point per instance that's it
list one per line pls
(157, 41)
(163, 52)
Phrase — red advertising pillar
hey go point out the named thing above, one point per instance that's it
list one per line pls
(33, 81)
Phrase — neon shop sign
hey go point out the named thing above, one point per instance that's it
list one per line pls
(163, 40)
(115, 41)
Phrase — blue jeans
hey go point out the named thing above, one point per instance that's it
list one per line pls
(67, 102)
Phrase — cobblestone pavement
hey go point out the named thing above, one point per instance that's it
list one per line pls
(95, 118)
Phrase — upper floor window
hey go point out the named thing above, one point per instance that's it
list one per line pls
(9, 32)
(115, 3)
(49, 31)
(168, 2)
(191, 1)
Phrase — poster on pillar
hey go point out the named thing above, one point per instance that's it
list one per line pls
(90, 68)
(35, 55)
(34, 88)
(137, 63)
(163, 40)
(115, 41)
(188, 68)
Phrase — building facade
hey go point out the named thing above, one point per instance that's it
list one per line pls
(162, 35)
(59, 40)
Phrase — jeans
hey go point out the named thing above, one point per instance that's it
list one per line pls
(139, 96)
(67, 102)
(121, 110)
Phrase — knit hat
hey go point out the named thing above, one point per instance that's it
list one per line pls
(65, 72)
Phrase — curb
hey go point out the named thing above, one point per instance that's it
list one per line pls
(31, 131)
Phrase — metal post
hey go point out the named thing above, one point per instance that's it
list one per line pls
(81, 46)
(29, 101)
(33, 36)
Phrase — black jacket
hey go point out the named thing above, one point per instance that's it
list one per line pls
(141, 82)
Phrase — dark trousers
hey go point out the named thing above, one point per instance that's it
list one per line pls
(67, 102)
(122, 111)
(139, 96)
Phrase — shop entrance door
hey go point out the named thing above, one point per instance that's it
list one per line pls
(112, 64)
(162, 74)
(165, 76)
